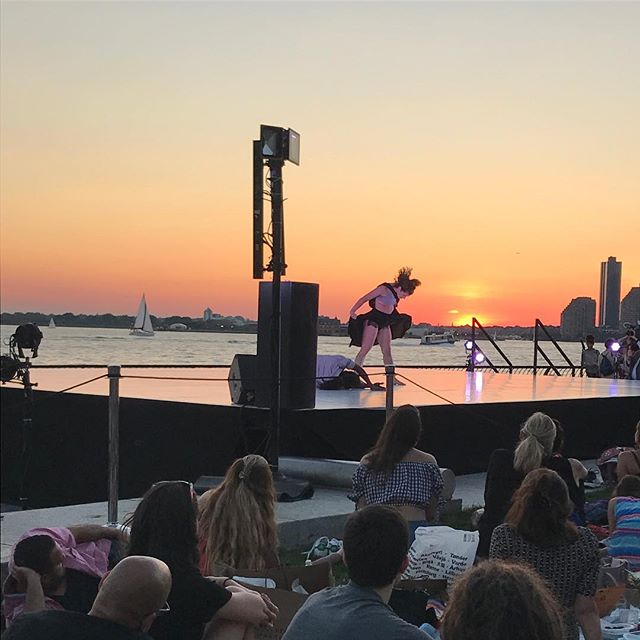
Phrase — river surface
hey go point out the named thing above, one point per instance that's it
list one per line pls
(83, 345)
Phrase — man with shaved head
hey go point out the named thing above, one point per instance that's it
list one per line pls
(129, 599)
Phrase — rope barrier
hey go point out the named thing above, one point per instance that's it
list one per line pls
(52, 394)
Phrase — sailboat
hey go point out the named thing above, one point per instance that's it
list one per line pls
(52, 324)
(142, 325)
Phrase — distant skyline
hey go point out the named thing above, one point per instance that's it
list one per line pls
(493, 146)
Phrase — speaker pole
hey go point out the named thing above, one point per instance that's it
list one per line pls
(278, 266)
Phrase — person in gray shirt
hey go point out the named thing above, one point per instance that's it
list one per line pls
(375, 545)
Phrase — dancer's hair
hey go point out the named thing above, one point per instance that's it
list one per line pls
(237, 519)
(540, 509)
(398, 436)
(498, 599)
(405, 281)
(536, 442)
(164, 525)
(628, 487)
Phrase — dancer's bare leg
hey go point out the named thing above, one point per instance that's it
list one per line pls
(369, 334)
(384, 340)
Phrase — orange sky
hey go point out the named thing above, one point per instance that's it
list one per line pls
(494, 147)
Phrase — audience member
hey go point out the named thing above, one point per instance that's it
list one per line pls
(624, 522)
(163, 526)
(608, 363)
(56, 568)
(507, 469)
(629, 461)
(375, 544)
(634, 362)
(590, 358)
(628, 346)
(498, 600)
(394, 472)
(537, 531)
(579, 474)
(129, 599)
(237, 521)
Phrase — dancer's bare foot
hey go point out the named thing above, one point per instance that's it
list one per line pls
(377, 386)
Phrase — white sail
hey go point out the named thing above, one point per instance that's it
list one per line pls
(52, 324)
(142, 325)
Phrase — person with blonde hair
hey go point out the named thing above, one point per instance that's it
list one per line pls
(236, 521)
(507, 469)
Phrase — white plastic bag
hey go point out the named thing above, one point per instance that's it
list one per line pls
(441, 553)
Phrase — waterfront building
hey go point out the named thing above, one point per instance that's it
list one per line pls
(578, 318)
(207, 314)
(610, 279)
(630, 307)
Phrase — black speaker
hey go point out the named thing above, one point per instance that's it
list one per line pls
(242, 379)
(298, 345)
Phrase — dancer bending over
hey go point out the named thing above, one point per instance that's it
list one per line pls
(383, 322)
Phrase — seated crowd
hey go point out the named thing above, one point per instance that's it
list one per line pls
(168, 572)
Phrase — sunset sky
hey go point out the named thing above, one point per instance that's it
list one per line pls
(494, 147)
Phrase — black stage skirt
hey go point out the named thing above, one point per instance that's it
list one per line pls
(400, 323)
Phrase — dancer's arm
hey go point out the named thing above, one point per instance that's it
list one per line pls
(374, 386)
(374, 293)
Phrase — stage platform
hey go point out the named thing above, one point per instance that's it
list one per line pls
(186, 426)
(423, 387)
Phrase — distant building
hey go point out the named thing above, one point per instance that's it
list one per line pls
(207, 315)
(331, 327)
(630, 307)
(610, 279)
(578, 318)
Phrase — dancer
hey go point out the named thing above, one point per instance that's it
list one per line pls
(383, 323)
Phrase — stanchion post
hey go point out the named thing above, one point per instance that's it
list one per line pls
(113, 373)
(390, 373)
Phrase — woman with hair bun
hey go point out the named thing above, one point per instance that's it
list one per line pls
(507, 469)
(237, 522)
(382, 323)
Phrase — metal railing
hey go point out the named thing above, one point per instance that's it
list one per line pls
(538, 349)
(476, 349)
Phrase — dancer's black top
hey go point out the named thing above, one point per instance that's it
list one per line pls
(400, 323)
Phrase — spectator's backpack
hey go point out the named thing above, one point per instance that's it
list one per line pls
(606, 366)
(590, 361)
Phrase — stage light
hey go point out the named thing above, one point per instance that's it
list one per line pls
(478, 357)
(279, 143)
(468, 345)
(615, 347)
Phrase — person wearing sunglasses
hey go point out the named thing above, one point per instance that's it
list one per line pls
(130, 598)
(164, 526)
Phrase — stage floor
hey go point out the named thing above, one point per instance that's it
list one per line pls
(423, 387)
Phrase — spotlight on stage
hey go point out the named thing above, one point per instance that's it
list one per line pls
(478, 357)
(615, 347)
(468, 345)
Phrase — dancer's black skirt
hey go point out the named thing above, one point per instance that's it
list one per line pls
(400, 323)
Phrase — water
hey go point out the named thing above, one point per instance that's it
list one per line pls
(83, 345)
